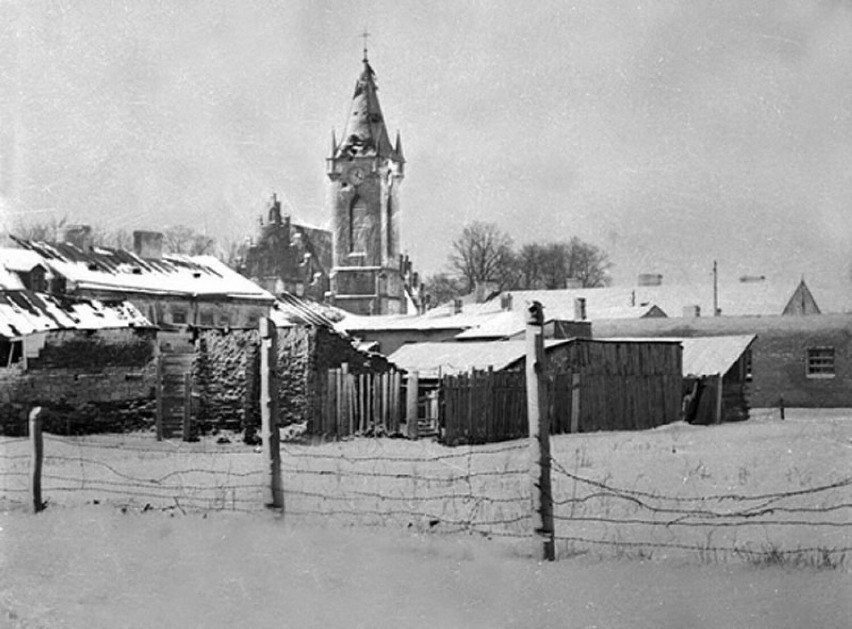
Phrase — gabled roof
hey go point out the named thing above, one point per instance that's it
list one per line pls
(116, 270)
(24, 312)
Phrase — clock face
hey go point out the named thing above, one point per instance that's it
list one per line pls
(355, 176)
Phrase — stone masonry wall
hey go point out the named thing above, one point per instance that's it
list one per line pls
(222, 371)
(88, 381)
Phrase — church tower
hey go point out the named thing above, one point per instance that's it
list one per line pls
(365, 172)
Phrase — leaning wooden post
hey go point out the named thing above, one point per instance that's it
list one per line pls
(269, 409)
(38, 457)
(539, 440)
(411, 393)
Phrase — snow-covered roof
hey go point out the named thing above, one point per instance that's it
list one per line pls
(708, 355)
(705, 355)
(106, 269)
(432, 359)
(24, 312)
(767, 296)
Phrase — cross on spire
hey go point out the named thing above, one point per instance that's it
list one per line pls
(365, 35)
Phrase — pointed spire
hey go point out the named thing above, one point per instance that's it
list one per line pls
(365, 133)
(333, 142)
(398, 147)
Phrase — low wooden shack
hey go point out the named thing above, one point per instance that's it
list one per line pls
(716, 374)
(593, 385)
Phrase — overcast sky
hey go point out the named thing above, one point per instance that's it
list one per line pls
(669, 133)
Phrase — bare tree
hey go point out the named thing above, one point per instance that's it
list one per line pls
(552, 265)
(482, 253)
(589, 264)
(442, 287)
(181, 239)
(43, 231)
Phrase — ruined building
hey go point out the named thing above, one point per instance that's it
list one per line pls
(365, 171)
(287, 257)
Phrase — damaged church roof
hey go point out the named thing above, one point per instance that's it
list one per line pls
(24, 312)
(116, 270)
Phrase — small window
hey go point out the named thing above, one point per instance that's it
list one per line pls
(820, 362)
(178, 316)
(207, 319)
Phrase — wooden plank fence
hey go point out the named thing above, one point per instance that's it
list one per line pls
(485, 406)
(360, 404)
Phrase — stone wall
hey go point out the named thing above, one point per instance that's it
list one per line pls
(225, 379)
(88, 381)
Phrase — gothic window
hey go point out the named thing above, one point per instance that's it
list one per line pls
(359, 226)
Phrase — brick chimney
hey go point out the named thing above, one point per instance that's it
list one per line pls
(580, 309)
(78, 235)
(483, 289)
(148, 244)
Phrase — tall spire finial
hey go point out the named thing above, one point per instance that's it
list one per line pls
(365, 35)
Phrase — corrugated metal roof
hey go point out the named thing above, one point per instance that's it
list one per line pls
(108, 269)
(24, 312)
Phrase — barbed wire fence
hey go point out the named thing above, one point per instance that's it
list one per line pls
(483, 490)
(811, 523)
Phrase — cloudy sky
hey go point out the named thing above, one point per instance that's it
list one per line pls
(670, 133)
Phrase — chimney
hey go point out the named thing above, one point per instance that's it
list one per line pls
(506, 301)
(457, 306)
(483, 289)
(78, 235)
(650, 279)
(148, 244)
(580, 309)
(691, 312)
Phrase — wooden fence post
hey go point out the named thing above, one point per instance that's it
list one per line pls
(539, 440)
(159, 390)
(575, 403)
(411, 395)
(719, 394)
(269, 409)
(38, 457)
(187, 407)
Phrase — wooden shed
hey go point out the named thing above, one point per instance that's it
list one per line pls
(593, 385)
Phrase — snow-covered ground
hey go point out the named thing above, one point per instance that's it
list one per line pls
(214, 557)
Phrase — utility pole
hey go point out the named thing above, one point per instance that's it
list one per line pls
(539, 427)
(716, 311)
